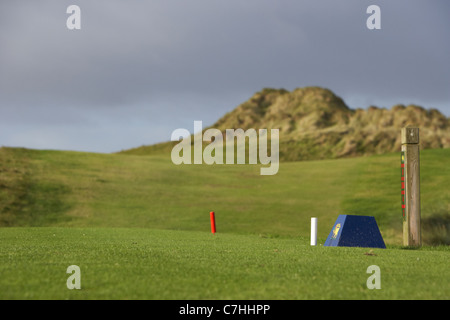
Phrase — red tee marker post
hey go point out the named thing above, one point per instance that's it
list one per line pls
(213, 222)
(410, 164)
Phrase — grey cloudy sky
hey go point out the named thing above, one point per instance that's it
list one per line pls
(137, 70)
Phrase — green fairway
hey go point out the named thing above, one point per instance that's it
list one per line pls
(72, 189)
(122, 263)
(138, 228)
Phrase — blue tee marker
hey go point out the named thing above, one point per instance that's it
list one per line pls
(355, 231)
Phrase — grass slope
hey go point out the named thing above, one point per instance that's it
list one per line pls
(56, 188)
(138, 227)
(142, 263)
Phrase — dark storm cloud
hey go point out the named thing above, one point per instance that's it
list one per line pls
(139, 69)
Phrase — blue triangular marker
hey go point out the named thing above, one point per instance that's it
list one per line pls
(355, 231)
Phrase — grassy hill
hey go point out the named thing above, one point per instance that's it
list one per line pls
(138, 228)
(60, 188)
(314, 124)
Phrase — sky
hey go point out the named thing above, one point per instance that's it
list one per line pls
(137, 70)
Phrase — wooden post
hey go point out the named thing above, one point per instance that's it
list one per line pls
(410, 164)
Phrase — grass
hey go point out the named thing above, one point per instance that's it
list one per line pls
(73, 189)
(124, 263)
(138, 227)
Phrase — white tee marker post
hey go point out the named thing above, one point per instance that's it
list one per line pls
(313, 231)
(410, 164)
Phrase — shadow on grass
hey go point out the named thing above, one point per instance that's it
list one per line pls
(436, 228)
